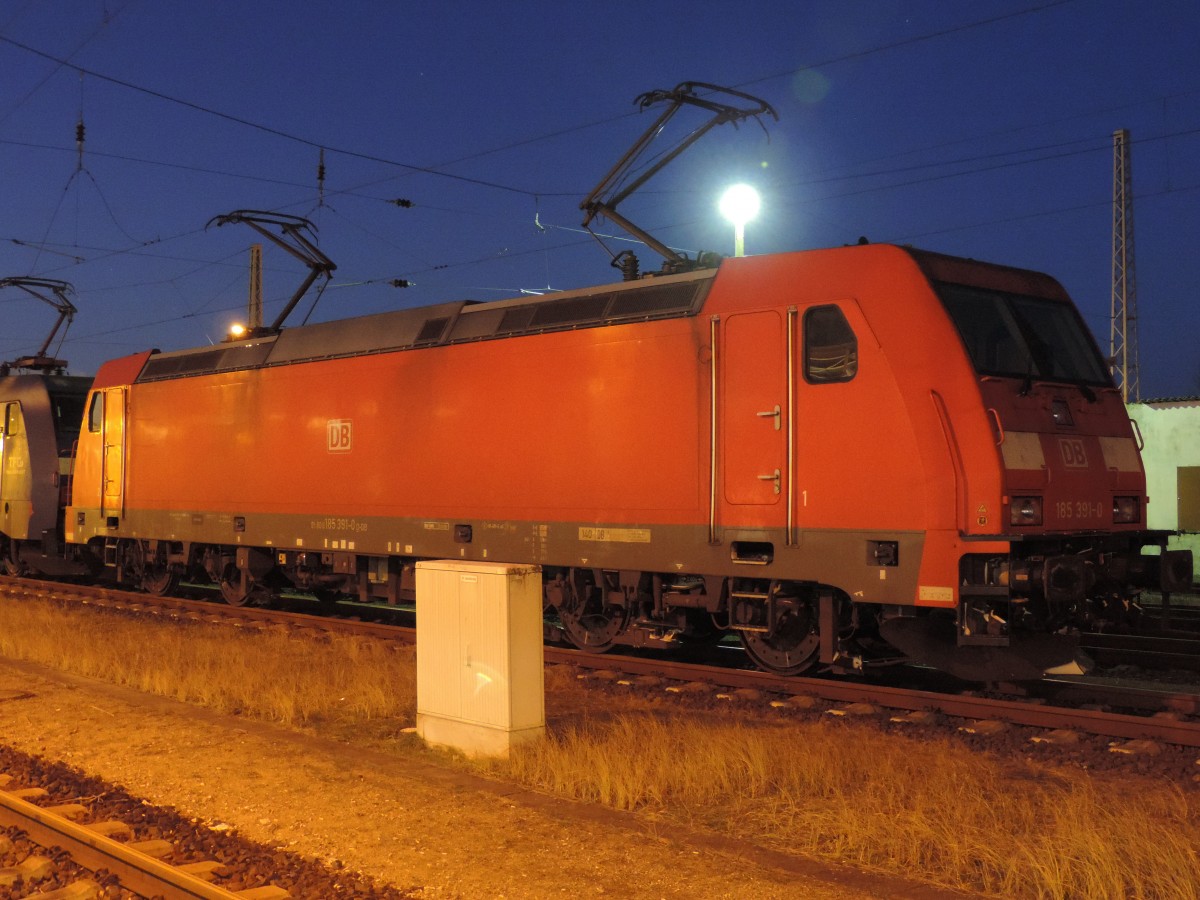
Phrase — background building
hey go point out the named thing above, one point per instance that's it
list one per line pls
(1171, 431)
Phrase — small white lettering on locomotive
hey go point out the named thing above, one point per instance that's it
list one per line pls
(339, 434)
(1074, 456)
(616, 535)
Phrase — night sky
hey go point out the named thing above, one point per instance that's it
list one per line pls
(980, 129)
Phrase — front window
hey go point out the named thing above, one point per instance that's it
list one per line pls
(1019, 336)
(67, 410)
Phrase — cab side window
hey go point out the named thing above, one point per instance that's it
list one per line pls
(830, 347)
(96, 413)
(12, 419)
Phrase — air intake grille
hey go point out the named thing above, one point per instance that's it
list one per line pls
(607, 307)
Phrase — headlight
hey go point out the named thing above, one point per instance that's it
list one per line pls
(1126, 510)
(1025, 511)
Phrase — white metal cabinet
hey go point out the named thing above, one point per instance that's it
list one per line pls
(480, 685)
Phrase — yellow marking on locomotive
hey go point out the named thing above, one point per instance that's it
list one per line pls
(929, 594)
(1022, 450)
(1120, 454)
(615, 535)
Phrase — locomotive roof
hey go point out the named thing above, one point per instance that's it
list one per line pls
(663, 297)
(657, 297)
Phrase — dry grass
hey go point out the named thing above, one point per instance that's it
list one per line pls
(927, 809)
(269, 674)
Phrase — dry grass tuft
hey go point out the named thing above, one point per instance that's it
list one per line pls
(928, 809)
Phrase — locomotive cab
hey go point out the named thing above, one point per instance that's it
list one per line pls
(1067, 501)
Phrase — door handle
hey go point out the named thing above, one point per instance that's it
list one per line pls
(772, 477)
(771, 414)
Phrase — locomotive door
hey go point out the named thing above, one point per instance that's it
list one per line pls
(16, 491)
(112, 459)
(754, 419)
(7, 417)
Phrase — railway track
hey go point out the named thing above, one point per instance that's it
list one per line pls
(1127, 711)
(1056, 704)
(67, 835)
(1180, 652)
(64, 845)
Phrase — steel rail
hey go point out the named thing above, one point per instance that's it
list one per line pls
(1159, 652)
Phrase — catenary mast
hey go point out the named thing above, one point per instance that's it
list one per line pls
(1123, 343)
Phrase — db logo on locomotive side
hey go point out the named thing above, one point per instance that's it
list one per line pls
(339, 433)
(1073, 454)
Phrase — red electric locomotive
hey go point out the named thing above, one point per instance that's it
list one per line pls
(812, 450)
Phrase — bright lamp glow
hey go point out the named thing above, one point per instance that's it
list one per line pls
(739, 204)
(237, 330)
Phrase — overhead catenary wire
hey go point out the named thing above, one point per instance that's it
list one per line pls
(258, 126)
(107, 19)
(438, 171)
(430, 267)
(81, 169)
(1097, 147)
(547, 247)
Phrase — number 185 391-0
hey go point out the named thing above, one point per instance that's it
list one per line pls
(1079, 509)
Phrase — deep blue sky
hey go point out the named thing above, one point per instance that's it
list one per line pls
(978, 128)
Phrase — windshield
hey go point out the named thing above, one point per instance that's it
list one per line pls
(1019, 336)
(68, 416)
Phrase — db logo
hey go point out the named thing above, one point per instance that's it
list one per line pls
(1073, 454)
(339, 435)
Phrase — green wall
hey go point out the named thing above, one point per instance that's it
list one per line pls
(1171, 431)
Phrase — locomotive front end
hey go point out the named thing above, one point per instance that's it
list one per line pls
(1072, 490)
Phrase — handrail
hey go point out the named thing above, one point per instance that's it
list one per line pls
(999, 426)
(1137, 430)
(712, 462)
(790, 529)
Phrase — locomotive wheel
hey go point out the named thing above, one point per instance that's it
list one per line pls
(9, 563)
(795, 643)
(589, 623)
(236, 595)
(155, 576)
(159, 581)
(231, 587)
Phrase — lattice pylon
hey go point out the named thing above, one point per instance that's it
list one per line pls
(1123, 342)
